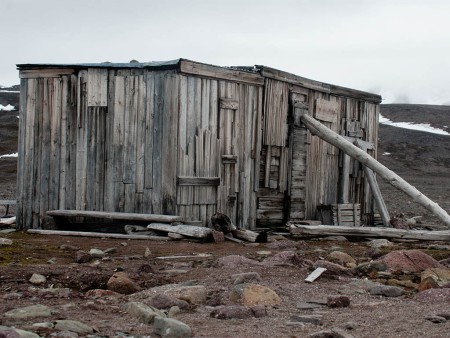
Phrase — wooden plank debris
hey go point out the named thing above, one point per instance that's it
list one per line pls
(115, 215)
(369, 232)
(315, 274)
(182, 229)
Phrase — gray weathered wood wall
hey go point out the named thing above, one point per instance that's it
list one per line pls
(190, 141)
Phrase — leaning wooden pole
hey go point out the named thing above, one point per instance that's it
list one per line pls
(338, 141)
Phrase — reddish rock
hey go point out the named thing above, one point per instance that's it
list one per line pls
(235, 261)
(82, 257)
(218, 236)
(432, 296)
(338, 301)
(162, 301)
(399, 223)
(232, 311)
(121, 283)
(409, 261)
(427, 283)
(333, 270)
(100, 293)
(283, 258)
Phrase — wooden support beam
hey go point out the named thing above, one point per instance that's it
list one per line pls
(340, 142)
(115, 215)
(370, 232)
(198, 181)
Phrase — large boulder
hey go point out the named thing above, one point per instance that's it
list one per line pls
(254, 294)
(402, 261)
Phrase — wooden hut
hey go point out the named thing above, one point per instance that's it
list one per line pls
(189, 139)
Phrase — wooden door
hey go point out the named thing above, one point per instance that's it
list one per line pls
(230, 139)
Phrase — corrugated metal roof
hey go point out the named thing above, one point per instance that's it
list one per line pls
(140, 65)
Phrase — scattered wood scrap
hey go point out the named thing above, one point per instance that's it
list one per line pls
(182, 229)
(371, 232)
(315, 274)
(8, 221)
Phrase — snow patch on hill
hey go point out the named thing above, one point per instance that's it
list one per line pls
(413, 126)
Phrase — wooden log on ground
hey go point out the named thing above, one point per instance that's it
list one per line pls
(116, 215)
(340, 142)
(95, 234)
(8, 221)
(250, 236)
(369, 232)
(182, 229)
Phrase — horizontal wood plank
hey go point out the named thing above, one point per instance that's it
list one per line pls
(198, 181)
(115, 215)
(49, 72)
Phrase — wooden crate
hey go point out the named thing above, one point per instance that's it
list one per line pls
(347, 214)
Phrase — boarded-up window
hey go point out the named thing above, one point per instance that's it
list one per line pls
(275, 113)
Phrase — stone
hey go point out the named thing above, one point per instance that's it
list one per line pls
(338, 301)
(218, 236)
(332, 333)
(264, 253)
(380, 243)
(445, 315)
(144, 313)
(82, 257)
(97, 253)
(147, 252)
(351, 325)
(5, 241)
(109, 251)
(67, 247)
(335, 238)
(254, 294)
(121, 283)
(100, 293)
(308, 306)
(283, 258)
(13, 295)
(432, 296)
(436, 319)
(232, 311)
(401, 261)
(440, 275)
(246, 277)
(286, 244)
(171, 328)
(163, 301)
(52, 260)
(259, 311)
(236, 261)
(47, 325)
(173, 311)
(333, 269)
(73, 326)
(308, 319)
(341, 258)
(37, 279)
(11, 332)
(64, 334)
(427, 283)
(195, 294)
(29, 312)
(386, 291)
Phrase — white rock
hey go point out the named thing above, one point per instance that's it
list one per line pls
(37, 279)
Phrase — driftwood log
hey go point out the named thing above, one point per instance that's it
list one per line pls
(369, 232)
(340, 142)
(182, 229)
(116, 215)
(95, 234)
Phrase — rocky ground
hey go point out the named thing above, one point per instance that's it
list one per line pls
(57, 286)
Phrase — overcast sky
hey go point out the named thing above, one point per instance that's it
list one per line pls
(399, 49)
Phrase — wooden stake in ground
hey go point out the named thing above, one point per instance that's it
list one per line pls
(340, 142)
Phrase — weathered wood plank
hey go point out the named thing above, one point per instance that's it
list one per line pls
(96, 234)
(216, 72)
(115, 215)
(97, 87)
(370, 232)
(198, 181)
(182, 229)
(44, 73)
